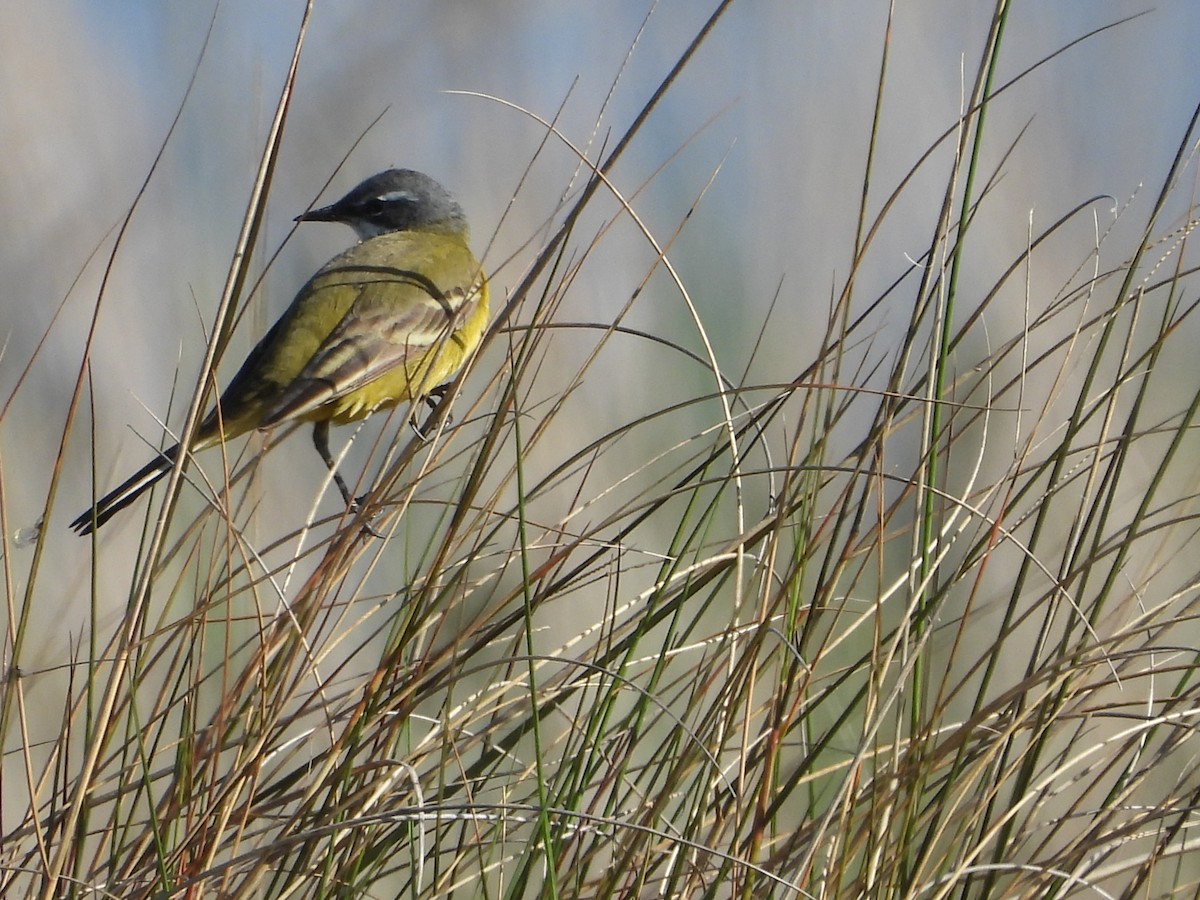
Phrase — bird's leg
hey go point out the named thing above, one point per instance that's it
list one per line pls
(321, 442)
(432, 399)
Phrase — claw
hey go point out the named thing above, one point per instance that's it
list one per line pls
(356, 506)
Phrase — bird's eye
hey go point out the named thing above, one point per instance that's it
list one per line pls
(373, 207)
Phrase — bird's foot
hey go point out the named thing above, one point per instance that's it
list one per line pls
(356, 508)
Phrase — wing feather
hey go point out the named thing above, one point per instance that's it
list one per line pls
(368, 343)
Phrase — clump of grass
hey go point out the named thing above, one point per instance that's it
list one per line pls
(914, 622)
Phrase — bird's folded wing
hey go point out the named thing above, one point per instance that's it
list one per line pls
(371, 340)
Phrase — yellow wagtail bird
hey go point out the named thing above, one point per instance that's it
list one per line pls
(386, 322)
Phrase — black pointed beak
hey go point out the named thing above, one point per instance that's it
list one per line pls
(324, 214)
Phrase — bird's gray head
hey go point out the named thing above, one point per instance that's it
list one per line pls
(395, 200)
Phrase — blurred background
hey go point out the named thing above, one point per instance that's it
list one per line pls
(752, 169)
(761, 147)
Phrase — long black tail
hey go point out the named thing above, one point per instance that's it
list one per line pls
(115, 501)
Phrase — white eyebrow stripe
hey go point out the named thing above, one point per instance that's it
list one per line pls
(392, 196)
